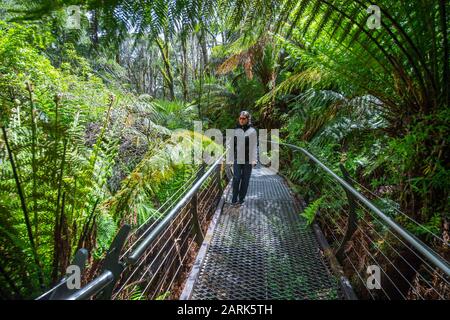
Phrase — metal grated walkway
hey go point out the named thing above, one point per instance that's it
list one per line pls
(263, 250)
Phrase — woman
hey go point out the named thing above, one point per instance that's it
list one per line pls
(245, 157)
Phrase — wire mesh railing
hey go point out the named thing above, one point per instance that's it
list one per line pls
(150, 261)
(382, 259)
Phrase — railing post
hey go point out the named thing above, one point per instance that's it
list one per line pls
(102, 284)
(307, 195)
(352, 220)
(61, 290)
(112, 261)
(219, 178)
(197, 230)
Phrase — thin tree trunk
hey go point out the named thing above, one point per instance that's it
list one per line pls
(24, 208)
(202, 40)
(58, 227)
(445, 71)
(33, 160)
(200, 93)
(185, 68)
(94, 30)
(167, 71)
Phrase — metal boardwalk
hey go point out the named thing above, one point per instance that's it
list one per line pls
(263, 249)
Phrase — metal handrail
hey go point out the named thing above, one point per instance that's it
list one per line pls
(93, 287)
(427, 252)
(138, 252)
(108, 277)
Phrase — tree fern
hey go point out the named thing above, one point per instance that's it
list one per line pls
(309, 213)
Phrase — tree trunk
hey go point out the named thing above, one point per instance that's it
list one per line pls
(185, 68)
(167, 71)
(202, 40)
(94, 29)
(445, 71)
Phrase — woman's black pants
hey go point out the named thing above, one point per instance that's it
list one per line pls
(241, 178)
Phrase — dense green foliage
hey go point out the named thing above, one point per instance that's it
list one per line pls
(78, 158)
